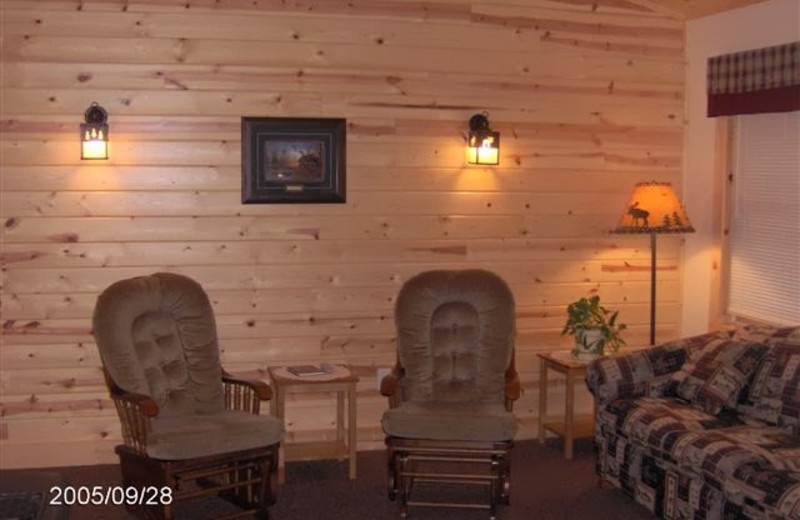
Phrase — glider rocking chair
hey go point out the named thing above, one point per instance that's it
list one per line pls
(452, 389)
(189, 428)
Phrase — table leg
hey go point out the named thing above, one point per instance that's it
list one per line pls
(542, 399)
(352, 429)
(273, 402)
(277, 407)
(340, 395)
(569, 416)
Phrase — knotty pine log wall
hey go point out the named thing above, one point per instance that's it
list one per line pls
(588, 97)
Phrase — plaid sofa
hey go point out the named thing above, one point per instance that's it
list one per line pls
(706, 427)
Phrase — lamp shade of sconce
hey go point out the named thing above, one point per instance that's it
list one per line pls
(483, 144)
(94, 133)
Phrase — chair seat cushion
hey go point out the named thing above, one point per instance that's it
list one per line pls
(450, 421)
(188, 437)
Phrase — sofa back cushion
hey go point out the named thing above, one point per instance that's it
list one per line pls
(717, 374)
(765, 333)
(645, 372)
(774, 396)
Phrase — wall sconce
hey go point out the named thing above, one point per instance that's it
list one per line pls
(483, 144)
(94, 133)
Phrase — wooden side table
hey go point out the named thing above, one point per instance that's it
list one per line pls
(343, 382)
(571, 427)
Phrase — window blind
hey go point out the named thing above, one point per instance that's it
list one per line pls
(764, 281)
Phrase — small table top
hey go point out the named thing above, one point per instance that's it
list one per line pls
(336, 373)
(564, 358)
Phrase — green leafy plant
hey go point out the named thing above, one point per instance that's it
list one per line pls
(587, 314)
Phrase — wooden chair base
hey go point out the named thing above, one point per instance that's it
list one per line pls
(413, 461)
(246, 478)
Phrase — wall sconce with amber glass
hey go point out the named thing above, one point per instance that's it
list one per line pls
(483, 144)
(94, 133)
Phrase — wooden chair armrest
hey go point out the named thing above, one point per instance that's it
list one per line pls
(391, 382)
(143, 403)
(261, 389)
(244, 394)
(134, 411)
(390, 385)
(513, 387)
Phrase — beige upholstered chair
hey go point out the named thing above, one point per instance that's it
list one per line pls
(452, 389)
(186, 424)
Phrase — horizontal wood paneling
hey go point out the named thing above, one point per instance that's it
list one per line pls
(588, 98)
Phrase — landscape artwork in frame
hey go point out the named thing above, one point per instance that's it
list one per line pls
(288, 160)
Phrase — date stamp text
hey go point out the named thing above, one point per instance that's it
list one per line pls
(110, 495)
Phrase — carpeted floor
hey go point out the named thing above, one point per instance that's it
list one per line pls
(544, 486)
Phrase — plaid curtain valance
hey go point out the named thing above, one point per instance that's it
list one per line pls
(750, 82)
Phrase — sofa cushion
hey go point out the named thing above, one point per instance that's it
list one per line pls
(774, 396)
(188, 437)
(716, 375)
(750, 466)
(764, 491)
(659, 423)
(735, 453)
(450, 421)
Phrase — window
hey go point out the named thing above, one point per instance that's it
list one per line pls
(764, 254)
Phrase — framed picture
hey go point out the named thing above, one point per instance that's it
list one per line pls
(288, 160)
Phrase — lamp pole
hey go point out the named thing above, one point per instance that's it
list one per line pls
(652, 288)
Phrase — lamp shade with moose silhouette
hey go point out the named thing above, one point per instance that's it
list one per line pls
(654, 208)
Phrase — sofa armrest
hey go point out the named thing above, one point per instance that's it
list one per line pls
(644, 372)
(611, 378)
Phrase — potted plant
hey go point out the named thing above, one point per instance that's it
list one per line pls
(594, 327)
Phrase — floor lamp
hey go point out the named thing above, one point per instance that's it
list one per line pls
(653, 209)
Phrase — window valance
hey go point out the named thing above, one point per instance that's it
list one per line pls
(755, 81)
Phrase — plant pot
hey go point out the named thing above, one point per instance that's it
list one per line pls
(589, 344)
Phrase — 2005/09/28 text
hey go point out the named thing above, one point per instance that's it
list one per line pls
(107, 496)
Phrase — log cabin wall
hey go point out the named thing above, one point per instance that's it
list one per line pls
(588, 97)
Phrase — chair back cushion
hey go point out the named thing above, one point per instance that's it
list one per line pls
(455, 336)
(156, 335)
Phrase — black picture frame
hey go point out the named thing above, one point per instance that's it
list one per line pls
(293, 160)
